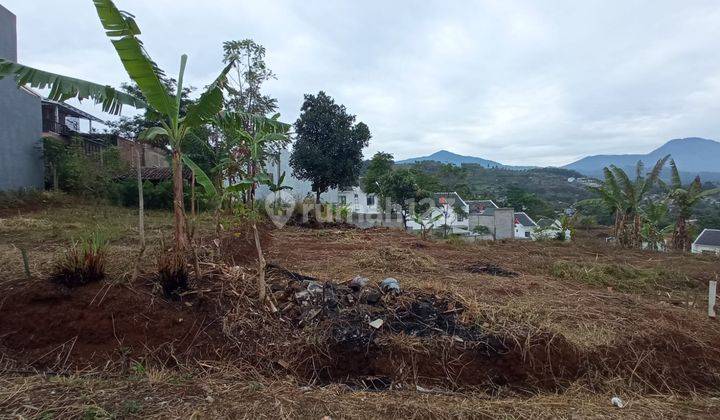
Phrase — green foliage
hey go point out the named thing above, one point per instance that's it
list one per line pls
(80, 173)
(380, 165)
(328, 150)
(596, 209)
(481, 230)
(244, 92)
(530, 203)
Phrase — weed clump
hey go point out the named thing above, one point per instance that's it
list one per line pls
(83, 263)
(173, 274)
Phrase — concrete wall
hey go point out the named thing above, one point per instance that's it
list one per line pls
(501, 223)
(21, 164)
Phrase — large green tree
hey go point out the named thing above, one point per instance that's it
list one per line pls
(244, 90)
(380, 165)
(328, 150)
(400, 187)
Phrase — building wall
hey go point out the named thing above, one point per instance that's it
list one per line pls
(501, 223)
(504, 223)
(153, 157)
(523, 232)
(21, 164)
(356, 199)
(699, 249)
(300, 188)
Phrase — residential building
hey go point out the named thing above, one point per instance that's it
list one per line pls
(524, 226)
(21, 163)
(499, 221)
(359, 201)
(707, 243)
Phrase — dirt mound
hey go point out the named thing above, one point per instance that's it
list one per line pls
(48, 326)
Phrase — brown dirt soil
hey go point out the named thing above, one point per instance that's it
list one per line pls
(48, 326)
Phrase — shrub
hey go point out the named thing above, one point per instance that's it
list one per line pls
(83, 263)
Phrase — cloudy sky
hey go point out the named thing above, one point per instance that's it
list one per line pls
(519, 82)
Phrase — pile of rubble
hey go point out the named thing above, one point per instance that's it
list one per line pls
(356, 310)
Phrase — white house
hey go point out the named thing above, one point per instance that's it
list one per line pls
(359, 201)
(301, 189)
(707, 242)
(524, 226)
(549, 229)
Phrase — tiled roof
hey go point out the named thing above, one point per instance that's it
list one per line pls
(710, 237)
(524, 219)
(482, 206)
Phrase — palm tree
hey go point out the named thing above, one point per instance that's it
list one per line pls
(684, 200)
(624, 197)
(173, 128)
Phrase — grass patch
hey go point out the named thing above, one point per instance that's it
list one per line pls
(624, 278)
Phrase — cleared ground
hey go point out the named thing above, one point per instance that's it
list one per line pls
(515, 329)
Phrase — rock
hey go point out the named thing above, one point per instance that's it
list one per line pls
(390, 285)
(357, 283)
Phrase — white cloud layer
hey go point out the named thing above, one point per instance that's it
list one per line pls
(519, 82)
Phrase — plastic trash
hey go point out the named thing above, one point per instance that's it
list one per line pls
(315, 288)
(390, 285)
(617, 402)
(377, 323)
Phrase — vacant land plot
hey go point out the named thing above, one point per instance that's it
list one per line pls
(503, 329)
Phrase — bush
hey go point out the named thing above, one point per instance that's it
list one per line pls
(83, 263)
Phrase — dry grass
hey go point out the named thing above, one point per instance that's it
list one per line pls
(228, 392)
(641, 340)
(387, 259)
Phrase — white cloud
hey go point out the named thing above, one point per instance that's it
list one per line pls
(516, 81)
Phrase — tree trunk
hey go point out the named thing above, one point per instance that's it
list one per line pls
(181, 240)
(680, 235)
(261, 265)
(317, 197)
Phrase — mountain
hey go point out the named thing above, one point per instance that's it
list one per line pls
(694, 156)
(444, 156)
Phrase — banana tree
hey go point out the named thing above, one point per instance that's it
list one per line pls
(123, 32)
(655, 225)
(624, 197)
(684, 200)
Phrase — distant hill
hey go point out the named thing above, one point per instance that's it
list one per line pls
(694, 156)
(444, 156)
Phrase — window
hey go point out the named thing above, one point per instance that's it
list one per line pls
(370, 200)
(343, 200)
(527, 234)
